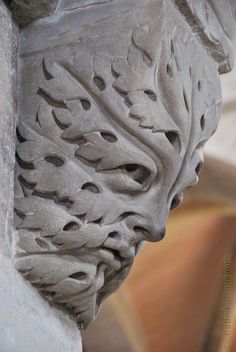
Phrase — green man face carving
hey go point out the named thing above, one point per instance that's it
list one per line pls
(114, 142)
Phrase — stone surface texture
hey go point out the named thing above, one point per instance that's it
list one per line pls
(27, 322)
(26, 11)
(217, 182)
(117, 99)
(214, 23)
(8, 44)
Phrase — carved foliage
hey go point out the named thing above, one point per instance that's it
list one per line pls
(114, 143)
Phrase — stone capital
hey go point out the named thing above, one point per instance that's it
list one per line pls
(116, 101)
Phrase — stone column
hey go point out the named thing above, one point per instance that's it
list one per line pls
(116, 101)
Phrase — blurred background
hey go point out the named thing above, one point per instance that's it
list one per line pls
(181, 293)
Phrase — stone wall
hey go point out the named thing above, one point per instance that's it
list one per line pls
(27, 322)
(8, 44)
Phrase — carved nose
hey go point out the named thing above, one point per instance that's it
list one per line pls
(162, 233)
(151, 233)
(157, 234)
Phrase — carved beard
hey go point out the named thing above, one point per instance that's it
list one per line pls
(107, 155)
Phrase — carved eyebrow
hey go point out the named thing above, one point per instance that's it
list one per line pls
(112, 150)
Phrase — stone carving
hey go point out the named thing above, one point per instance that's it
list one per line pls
(114, 142)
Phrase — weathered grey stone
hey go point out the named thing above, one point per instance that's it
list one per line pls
(75, 4)
(26, 11)
(27, 322)
(8, 45)
(214, 23)
(117, 103)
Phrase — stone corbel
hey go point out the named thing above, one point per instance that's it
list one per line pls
(116, 101)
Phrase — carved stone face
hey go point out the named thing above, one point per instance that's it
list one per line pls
(113, 144)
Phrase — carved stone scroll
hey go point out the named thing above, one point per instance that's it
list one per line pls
(116, 103)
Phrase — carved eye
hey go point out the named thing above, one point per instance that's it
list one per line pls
(127, 178)
(137, 172)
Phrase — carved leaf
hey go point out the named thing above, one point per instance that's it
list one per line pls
(44, 215)
(136, 78)
(98, 206)
(71, 161)
(170, 92)
(62, 227)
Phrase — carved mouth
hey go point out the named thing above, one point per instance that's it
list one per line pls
(117, 267)
(117, 252)
(114, 258)
(111, 258)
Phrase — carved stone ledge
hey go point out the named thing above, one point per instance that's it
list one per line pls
(26, 11)
(116, 103)
(214, 23)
